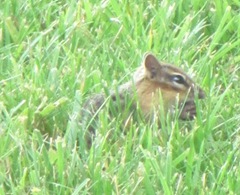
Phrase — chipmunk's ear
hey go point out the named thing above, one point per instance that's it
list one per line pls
(152, 65)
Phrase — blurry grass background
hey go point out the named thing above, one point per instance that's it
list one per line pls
(55, 54)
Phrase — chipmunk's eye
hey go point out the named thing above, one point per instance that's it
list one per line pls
(178, 79)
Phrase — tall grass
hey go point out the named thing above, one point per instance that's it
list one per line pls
(55, 54)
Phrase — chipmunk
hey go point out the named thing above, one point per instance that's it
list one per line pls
(152, 81)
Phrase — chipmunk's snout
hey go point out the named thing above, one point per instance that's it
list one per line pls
(197, 92)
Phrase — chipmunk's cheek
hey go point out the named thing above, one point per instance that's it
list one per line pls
(188, 111)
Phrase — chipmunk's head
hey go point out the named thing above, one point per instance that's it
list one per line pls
(174, 86)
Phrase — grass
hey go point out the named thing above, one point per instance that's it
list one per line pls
(55, 54)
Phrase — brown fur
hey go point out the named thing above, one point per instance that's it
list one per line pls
(152, 82)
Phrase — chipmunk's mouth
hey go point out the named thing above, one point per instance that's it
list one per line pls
(188, 111)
